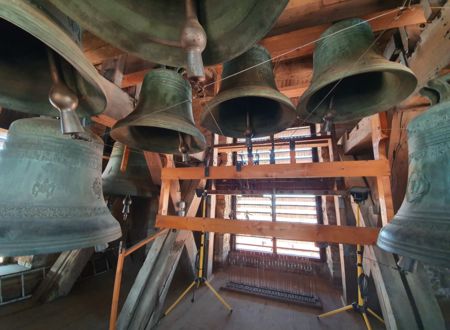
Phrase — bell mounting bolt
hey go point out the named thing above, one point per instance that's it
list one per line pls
(193, 41)
(63, 99)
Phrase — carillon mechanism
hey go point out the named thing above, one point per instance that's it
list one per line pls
(348, 69)
(63, 100)
(152, 29)
(162, 121)
(327, 125)
(126, 207)
(31, 29)
(55, 199)
(248, 103)
(193, 41)
(248, 133)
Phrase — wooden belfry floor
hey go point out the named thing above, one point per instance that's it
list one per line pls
(87, 307)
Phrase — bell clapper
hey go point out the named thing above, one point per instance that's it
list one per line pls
(272, 150)
(328, 118)
(64, 100)
(126, 207)
(193, 41)
(185, 146)
(248, 133)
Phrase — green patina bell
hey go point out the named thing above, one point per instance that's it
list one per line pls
(351, 80)
(162, 121)
(51, 187)
(136, 181)
(249, 103)
(421, 228)
(29, 29)
(153, 29)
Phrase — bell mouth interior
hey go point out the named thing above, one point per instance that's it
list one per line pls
(360, 95)
(158, 139)
(264, 115)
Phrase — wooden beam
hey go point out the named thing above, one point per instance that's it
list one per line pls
(380, 140)
(305, 38)
(145, 300)
(301, 170)
(154, 165)
(303, 13)
(62, 275)
(257, 192)
(432, 53)
(284, 230)
(359, 138)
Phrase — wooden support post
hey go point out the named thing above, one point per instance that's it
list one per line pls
(143, 306)
(380, 140)
(154, 165)
(347, 254)
(116, 290)
(62, 275)
(212, 214)
(164, 197)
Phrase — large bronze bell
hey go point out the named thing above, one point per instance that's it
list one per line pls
(351, 79)
(51, 185)
(162, 121)
(152, 29)
(421, 228)
(28, 29)
(135, 181)
(248, 104)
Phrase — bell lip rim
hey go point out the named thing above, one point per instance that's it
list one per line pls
(63, 45)
(173, 60)
(122, 126)
(391, 67)
(387, 245)
(252, 91)
(46, 247)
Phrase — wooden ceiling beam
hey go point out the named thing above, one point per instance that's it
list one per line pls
(305, 13)
(304, 38)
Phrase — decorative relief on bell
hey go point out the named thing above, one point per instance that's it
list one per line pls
(418, 186)
(44, 187)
